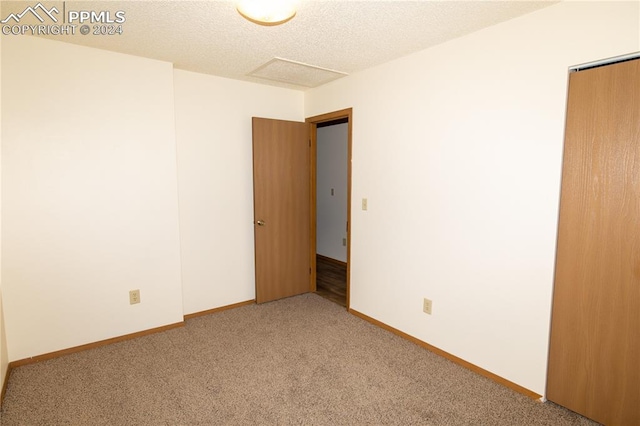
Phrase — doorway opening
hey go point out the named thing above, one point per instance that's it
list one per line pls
(330, 198)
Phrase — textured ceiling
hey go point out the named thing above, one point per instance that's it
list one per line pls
(340, 36)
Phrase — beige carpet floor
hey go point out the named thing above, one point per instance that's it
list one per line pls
(297, 361)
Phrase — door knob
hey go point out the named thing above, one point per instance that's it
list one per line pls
(260, 223)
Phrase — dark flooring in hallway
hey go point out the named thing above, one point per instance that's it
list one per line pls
(331, 280)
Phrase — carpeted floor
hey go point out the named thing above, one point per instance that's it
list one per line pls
(297, 361)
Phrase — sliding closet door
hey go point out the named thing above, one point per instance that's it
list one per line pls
(594, 360)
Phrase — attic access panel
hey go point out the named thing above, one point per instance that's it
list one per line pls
(297, 73)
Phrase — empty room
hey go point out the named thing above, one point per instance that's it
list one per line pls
(164, 177)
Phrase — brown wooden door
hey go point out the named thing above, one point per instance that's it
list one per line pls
(281, 208)
(594, 358)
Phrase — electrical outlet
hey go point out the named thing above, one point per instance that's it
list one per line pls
(364, 204)
(426, 306)
(344, 242)
(134, 297)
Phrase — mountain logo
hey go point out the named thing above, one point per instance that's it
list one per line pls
(33, 11)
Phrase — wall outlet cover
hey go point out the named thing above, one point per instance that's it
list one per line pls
(427, 306)
(134, 297)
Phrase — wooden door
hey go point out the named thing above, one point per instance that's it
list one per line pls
(281, 208)
(594, 358)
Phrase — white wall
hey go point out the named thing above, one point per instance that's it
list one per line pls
(215, 180)
(89, 189)
(458, 149)
(4, 354)
(332, 150)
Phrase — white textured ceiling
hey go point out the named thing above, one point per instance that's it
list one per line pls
(345, 36)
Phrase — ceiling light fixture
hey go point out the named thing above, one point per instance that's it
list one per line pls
(267, 12)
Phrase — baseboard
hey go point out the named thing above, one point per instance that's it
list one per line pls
(453, 358)
(332, 260)
(220, 309)
(5, 383)
(63, 352)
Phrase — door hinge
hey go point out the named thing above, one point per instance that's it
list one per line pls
(309, 143)
(309, 271)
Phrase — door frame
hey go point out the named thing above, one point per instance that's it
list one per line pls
(313, 141)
